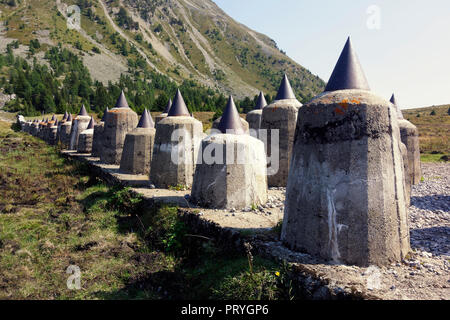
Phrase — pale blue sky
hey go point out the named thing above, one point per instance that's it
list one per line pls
(408, 55)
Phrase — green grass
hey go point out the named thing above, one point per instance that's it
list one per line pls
(53, 214)
(431, 158)
(434, 130)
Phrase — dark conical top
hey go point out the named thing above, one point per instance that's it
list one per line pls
(261, 102)
(144, 122)
(65, 116)
(285, 90)
(152, 124)
(231, 119)
(56, 122)
(104, 114)
(397, 107)
(122, 101)
(53, 118)
(169, 105)
(46, 120)
(91, 123)
(83, 111)
(70, 118)
(178, 108)
(347, 73)
(393, 101)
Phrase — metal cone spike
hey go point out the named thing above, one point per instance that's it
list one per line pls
(179, 108)
(347, 73)
(122, 101)
(231, 119)
(285, 91)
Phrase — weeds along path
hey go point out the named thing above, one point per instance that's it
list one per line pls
(54, 215)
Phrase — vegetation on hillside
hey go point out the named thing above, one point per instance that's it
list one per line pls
(245, 60)
(66, 84)
(434, 130)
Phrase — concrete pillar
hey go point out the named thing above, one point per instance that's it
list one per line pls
(345, 198)
(237, 176)
(52, 134)
(119, 121)
(138, 147)
(80, 124)
(407, 175)
(64, 133)
(97, 139)
(35, 128)
(85, 138)
(254, 117)
(410, 137)
(85, 141)
(176, 147)
(281, 115)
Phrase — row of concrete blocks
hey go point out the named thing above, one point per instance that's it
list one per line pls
(358, 154)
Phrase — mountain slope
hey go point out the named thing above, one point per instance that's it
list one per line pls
(184, 39)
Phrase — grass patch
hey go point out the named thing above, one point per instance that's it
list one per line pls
(53, 215)
(432, 158)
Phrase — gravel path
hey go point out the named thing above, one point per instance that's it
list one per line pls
(430, 211)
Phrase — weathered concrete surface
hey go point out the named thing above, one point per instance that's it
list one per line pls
(244, 123)
(97, 139)
(165, 171)
(345, 198)
(46, 134)
(404, 152)
(410, 137)
(232, 173)
(53, 135)
(280, 115)
(64, 134)
(137, 151)
(34, 129)
(158, 118)
(85, 141)
(118, 122)
(79, 124)
(254, 119)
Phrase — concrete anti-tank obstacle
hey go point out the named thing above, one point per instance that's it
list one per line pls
(165, 113)
(280, 115)
(232, 172)
(58, 131)
(138, 147)
(175, 151)
(34, 128)
(53, 132)
(245, 125)
(345, 198)
(410, 137)
(119, 121)
(254, 117)
(79, 125)
(85, 138)
(97, 139)
(64, 132)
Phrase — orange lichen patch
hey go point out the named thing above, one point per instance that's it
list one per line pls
(354, 101)
(344, 104)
